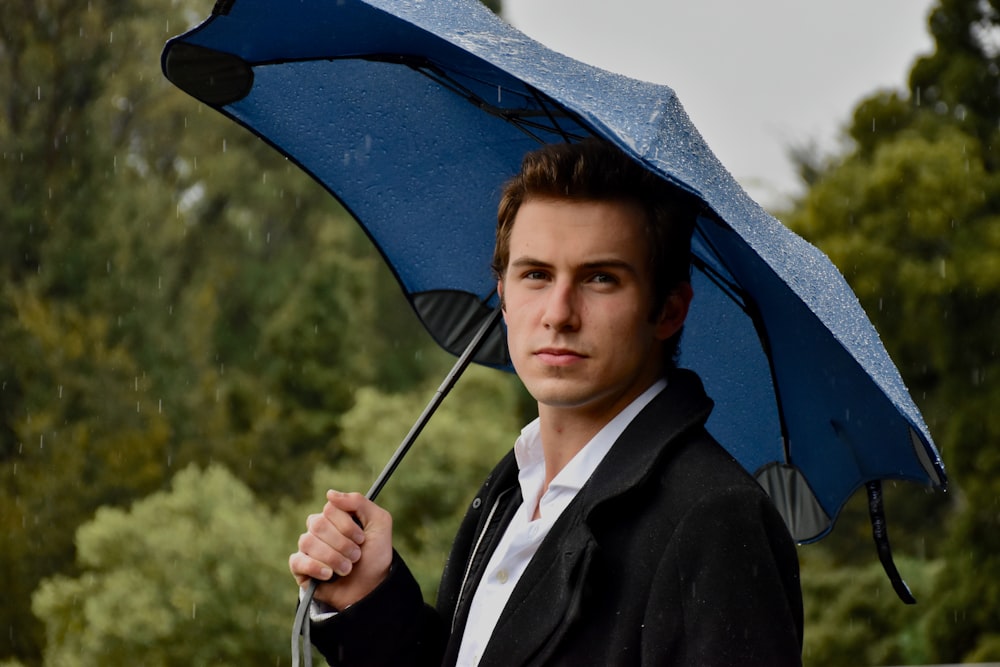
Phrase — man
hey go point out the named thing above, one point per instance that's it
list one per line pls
(617, 532)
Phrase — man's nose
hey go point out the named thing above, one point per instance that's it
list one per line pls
(562, 311)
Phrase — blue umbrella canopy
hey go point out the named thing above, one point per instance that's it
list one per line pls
(413, 113)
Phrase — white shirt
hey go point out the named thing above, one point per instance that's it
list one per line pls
(523, 536)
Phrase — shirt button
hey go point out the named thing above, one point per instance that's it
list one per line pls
(502, 576)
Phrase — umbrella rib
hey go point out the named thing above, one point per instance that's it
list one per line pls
(758, 324)
(730, 287)
(731, 290)
(518, 117)
(749, 307)
(440, 76)
(541, 102)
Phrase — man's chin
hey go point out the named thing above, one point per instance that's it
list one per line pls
(560, 393)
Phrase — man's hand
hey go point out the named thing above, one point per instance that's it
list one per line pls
(352, 538)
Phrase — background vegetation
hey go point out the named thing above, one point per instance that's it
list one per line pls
(195, 342)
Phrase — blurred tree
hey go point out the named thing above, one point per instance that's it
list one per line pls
(61, 363)
(912, 218)
(66, 462)
(860, 620)
(205, 561)
(191, 576)
(960, 80)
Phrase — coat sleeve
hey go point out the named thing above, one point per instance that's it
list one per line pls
(391, 627)
(738, 577)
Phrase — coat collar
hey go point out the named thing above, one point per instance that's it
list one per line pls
(548, 596)
(681, 406)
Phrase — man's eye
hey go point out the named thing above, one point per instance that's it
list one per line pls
(604, 278)
(534, 275)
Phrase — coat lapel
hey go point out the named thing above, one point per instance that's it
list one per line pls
(549, 596)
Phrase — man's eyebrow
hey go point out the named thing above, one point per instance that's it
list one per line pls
(610, 264)
(607, 263)
(528, 261)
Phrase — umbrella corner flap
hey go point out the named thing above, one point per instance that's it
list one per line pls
(213, 77)
(792, 495)
(453, 317)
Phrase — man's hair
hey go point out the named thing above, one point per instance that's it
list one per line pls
(595, 170)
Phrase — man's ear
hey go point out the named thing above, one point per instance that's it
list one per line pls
(503, 304)
(674, 311)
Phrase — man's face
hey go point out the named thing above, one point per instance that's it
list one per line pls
(578, 296)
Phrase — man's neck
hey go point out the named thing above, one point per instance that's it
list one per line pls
(565, 431)
(563, 434)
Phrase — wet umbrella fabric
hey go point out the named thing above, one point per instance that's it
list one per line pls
(413, 113)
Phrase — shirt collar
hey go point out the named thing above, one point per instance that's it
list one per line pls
(531, 462)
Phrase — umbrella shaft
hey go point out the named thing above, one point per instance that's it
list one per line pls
(446, 386)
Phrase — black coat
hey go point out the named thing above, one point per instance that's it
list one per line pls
(669, 555)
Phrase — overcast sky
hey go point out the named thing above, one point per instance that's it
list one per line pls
(756, 76)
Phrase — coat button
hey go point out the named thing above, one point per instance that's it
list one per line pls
(476, 503)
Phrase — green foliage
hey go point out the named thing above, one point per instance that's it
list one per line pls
(860, 620)
(193, 576)
(206, 561)
(61, 461)
(960, 80)
(914, 232)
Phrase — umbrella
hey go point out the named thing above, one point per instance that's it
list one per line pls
(412, 114)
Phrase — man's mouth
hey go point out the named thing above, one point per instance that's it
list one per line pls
(558, 356)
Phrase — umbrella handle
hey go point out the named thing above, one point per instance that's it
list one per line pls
(300, 628)
(876, 511)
